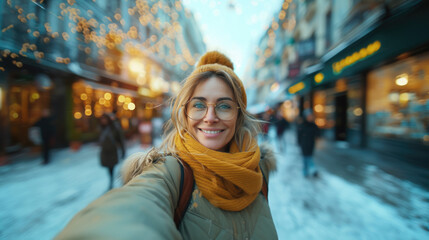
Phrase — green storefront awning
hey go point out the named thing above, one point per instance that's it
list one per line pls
(304, 84)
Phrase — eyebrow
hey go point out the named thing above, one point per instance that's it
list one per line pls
(219, 99)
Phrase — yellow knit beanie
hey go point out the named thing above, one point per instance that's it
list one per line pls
(215, 61)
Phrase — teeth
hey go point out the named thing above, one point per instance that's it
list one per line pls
(211, 132)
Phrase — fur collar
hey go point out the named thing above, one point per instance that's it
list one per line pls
(268, 157)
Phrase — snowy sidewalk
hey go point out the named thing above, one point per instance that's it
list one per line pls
(37, 201)
(329, 207)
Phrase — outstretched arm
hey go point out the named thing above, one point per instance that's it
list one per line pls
(143, 208)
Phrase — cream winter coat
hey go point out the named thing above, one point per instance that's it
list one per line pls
(143, 208)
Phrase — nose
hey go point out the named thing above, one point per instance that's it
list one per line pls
(211, 116)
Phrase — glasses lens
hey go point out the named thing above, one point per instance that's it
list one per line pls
(196, 109)
(225, 110)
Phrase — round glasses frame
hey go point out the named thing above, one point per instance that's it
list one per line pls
(215, 105)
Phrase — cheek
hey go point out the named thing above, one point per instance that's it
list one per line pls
(190, 124)
(232, 126)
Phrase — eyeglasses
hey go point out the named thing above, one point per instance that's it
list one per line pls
(196, 109)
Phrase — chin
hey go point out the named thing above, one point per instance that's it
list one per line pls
(214, 146)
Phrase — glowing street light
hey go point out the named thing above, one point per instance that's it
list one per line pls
(131, 106)
(402, 80)
(275, 86)
(136, 65)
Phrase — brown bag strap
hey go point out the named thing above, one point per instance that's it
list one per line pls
(264, 189)
(186, 187)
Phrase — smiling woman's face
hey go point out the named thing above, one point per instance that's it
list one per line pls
(211, 131)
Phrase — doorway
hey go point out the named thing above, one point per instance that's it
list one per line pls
(341, 117)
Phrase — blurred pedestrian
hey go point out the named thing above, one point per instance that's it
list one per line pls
(212, 139)
(307, 134)
(265, 126)
(46, 126)
(109, 142)
(119, 131)
(281, 126)
(269, 120)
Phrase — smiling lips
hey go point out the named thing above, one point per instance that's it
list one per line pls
(211, 133)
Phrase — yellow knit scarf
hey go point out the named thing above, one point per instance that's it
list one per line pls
(230, 181)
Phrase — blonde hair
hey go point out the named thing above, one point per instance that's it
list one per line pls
(247, 126)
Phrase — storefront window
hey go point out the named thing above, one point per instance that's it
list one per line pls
(338, 110)
(83, 107)
(324, 111)
(90, 101)
(354, 113)
(354, 109)
(25, 106)
(398, 100)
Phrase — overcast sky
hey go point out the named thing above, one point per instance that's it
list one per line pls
(233, 27)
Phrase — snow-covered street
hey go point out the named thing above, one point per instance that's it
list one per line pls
(37, 201)
(331, 208)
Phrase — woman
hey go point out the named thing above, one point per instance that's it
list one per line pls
(212, 132)
(109, 142)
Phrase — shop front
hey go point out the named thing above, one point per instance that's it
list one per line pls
(398, 108)
(89, 100)
(374, 92)
(300, 98)
(25, 102)
(136, 111)
(25, 94)
(338, 108)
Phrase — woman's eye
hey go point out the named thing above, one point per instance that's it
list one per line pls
(224, 106)
(199, 105)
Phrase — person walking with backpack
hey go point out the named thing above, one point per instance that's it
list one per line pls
(211, 140)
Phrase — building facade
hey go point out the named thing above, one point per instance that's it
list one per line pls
(362, 68)
(80, 59)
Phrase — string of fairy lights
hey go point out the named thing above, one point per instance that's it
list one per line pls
(109, 33)
(285, 20)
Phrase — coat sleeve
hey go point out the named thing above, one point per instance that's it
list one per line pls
(143, 208)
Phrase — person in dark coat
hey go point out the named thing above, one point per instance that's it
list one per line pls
(281, 126)
(307, 134)
(45, 123)
(109, 142)
(268, 120)
(119, 131)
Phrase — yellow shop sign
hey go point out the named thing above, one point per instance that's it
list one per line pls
(363, 53)
(297, 87)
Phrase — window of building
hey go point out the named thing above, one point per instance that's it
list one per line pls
(91, 101)
(398, 100)
(26, 102)
(328, 29)
(339, 110)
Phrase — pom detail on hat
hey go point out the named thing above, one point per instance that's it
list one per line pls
(215, 57)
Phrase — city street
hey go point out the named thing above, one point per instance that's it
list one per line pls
(82, 82)
(37, 201)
